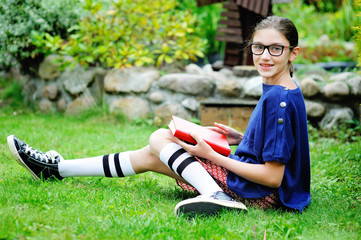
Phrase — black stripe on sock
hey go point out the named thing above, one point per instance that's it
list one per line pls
(106, 166)
(175, 156)
(117, 165)
(185, 164)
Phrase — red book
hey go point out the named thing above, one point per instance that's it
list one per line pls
(181, 128)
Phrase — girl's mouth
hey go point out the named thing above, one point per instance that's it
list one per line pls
(265, 65)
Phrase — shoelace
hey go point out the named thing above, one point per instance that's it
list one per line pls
(40, 155)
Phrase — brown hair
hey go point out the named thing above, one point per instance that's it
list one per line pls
(285, 26)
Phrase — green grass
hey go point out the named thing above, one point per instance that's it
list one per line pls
(141, 207)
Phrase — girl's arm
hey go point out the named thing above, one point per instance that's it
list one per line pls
(269, 174)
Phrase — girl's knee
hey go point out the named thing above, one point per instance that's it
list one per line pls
(158, 139)
(159, 136)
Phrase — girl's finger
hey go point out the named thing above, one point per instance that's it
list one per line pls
(224, 128)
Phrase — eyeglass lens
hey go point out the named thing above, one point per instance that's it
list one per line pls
(274, 50)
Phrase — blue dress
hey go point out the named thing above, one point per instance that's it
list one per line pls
(277, 131)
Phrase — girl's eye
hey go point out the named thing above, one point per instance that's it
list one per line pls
(276, 48)
(258, 47)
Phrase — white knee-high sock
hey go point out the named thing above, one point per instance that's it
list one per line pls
(112, 165)
(186, 166)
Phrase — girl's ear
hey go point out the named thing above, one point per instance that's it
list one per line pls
(294, 54)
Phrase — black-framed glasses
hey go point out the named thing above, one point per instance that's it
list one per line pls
(274, 50)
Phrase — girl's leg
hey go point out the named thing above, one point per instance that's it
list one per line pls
(162, 156)
(185, 166)
(212, 200)
(51, 164)
(116, 165)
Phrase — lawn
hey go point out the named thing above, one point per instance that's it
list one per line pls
(141, 207)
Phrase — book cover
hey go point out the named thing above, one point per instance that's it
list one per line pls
(181, 128)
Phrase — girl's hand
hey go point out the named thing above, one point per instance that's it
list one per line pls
(201, 149)
(233, 136)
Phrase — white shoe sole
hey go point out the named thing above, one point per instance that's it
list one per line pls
(206, 206)
(14, 151)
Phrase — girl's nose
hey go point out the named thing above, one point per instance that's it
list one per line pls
(266, 54)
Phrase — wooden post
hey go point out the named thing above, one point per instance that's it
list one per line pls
(236, 27)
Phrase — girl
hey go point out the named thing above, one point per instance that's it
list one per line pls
(270, 168)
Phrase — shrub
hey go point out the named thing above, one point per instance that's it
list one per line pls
(358, 34)
(18, 19)
(326, 6)
(311, 25)
(129, 33)
(208, 17)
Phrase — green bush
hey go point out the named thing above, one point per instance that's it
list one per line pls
(19, 18)
(208, 17)
(326, 5)
(128, 33)
(11, 98)
(311, 24)
(357, 28)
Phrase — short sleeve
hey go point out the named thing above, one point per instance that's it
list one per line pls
(278, 135)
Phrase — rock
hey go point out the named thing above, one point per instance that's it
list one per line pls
(355, 84)
(131, 107)
(191, 104)
(253, 87)
(80, 104)
(318, 78)
(218, 64)
(190, 84)
(245, 71)
(228, 73)
(343, 76)
(324, 39)
(61, 105)
(309, 87)
(76, 80)
(32, 92)
(46, 106)
(49, 68)
(314, 109)
(350, 46)
(51, 92)
(335, 117)
(193, 69)
(163, 114)
(336, 91)
(96, 88)
(207, 69)
(156, 97)
(228, 87)
(313, 71)
(135, 79)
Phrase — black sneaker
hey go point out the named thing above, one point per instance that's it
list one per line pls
(42, 166)
(208, 205)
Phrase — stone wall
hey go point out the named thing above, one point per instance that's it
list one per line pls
(145, 92)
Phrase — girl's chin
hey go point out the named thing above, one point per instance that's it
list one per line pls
(264, 70)
(265, 74)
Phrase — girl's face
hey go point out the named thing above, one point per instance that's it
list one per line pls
(273, 69)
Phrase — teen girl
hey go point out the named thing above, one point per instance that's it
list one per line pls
(270, 168)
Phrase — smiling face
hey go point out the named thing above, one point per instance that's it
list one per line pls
(273, 69)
